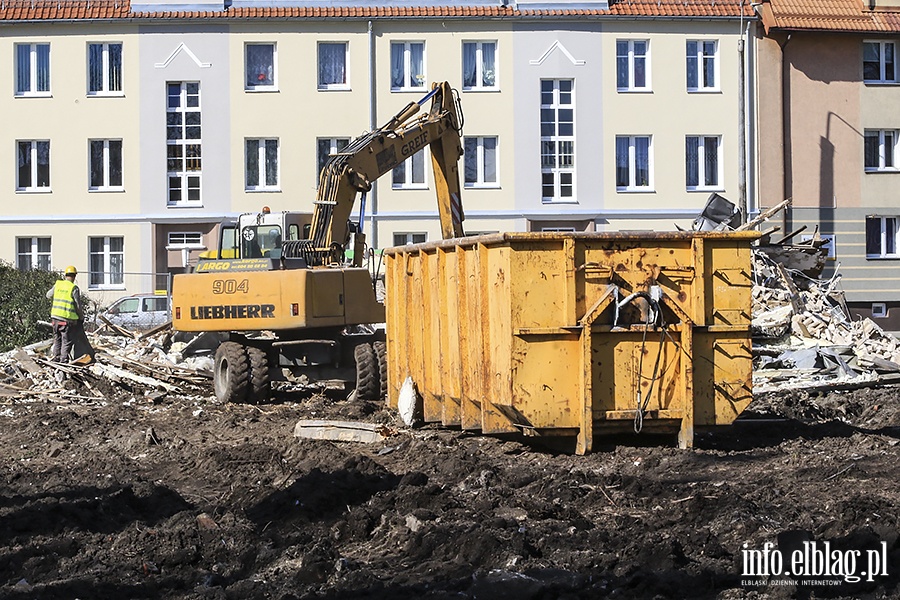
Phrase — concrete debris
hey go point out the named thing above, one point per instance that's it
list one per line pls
(153, 365)
(805, 338)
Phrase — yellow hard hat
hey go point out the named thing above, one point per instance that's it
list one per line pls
(70, 270)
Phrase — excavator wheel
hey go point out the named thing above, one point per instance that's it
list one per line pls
(367, 385)
(381, 358)
(231, 376)
(260, 384)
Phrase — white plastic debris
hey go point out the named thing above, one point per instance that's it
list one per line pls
(409, 403)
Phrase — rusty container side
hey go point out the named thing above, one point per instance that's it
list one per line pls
(539, 333)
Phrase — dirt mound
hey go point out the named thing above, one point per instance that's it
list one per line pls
(139, 496)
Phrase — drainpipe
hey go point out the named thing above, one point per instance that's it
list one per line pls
(372, 125)
(742, 124)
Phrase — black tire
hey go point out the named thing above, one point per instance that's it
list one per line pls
(260, 382)
(367, 386)
(381, 358)
(231, 377)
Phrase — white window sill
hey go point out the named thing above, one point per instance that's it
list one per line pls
(33, 95)
(105, 190)
(700, 188)
(261, 89)
(185, 247)
(42, 190)
(558, 201)
(258, 190)
(117, 286)
(884, 170)
(415, 186)
(410, 89)
(643, 90)
(704, 91)
(879, 82)
(482, 89)
(882, 256)
(482, 186)
(184, 205)
(105, 94)
(636, 190)
(334, 87)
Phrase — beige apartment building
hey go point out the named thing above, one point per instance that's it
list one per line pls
(135, 129)
(829, 98)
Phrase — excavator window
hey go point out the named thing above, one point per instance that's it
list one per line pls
(258, 241)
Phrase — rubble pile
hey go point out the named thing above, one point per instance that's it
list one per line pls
(805, 338)
(125, 364)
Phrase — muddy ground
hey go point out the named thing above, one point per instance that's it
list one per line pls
(174, 497)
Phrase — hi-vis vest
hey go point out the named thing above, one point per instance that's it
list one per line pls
(63, 304)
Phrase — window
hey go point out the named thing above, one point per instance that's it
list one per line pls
(104, 69)
(633, 163)
(879, 310)
(558, 229)
(32, 69)
(184, 239)
(411, 172)
(107, 262)
(878, 62)
(260, 67)
(333, 66)
(631, 65)
(105, 165)
(407, 65)
(325, 147)
(33, 158)
(702, 65)
(262, 164)
(702, 160)
(33, 253)
(402, 239)
(183, 143)
(880, 148)
(479, 65)
(480, 161)
(882, 237)
(557, 140)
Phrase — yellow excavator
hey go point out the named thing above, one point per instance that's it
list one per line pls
(279, 283)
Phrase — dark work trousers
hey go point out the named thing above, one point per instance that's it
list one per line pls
(62, 341)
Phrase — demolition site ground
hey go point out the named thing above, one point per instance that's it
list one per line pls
(146, 496)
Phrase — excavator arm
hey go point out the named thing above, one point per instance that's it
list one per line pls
(365, 159)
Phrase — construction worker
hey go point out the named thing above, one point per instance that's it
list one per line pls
(65, 315)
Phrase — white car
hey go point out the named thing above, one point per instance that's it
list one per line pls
(141, 311)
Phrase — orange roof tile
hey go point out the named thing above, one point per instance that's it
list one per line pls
(829, 15)
(54, 10)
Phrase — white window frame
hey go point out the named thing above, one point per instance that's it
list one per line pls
(481, 69)
(262, 145)
(261, 87)
(410, 237)
(33, 184)
(180, 240)
(108, 87)
(701, 164)
(556, 161)
(106, 159)
(888, 159)
(412, 166)
(34, 253)
(108, 276)
(474, 151)
(341, 85)
(887, 238)
(883, 75)
(408, 76)
(631, 59)
(33, 88)
(698, 59)
(334, 145)
(185, 174)
(632, 185)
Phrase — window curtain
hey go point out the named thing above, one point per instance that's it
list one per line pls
(622, 175)
(692, 161)
(469, 60)
(622, 65)
(416, 65)
(271, 162)
(692, 66)
(116, 260)
(397, 66)
(490, 160)
(95, 67)
(640, 64)
(260, 65)
(470, 154)
(709, 64)
(23, 68)
(115, 163)
(332, 67)
(252, 163)
(43, 68)
(711, 166)
(642, 161)
(43, 164)
(115, 67)
(96, 151)
(489, 71)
